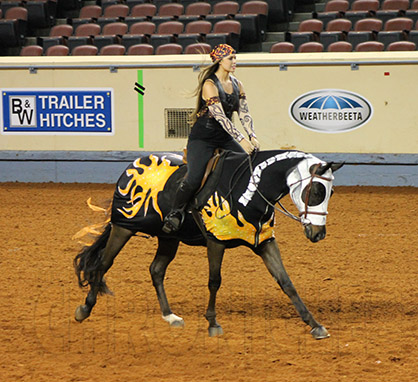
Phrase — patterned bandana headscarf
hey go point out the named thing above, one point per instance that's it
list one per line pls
(220, 51)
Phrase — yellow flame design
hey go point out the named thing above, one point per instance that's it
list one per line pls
(224, 226)
(151, 181)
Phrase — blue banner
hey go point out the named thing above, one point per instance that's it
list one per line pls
(56, 111)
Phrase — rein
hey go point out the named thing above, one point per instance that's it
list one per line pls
(303, 215)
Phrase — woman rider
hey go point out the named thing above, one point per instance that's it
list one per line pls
(219, 94)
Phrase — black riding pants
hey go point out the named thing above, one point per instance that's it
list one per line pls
(198, 154)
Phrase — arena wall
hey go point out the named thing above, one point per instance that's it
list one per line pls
(52, 128)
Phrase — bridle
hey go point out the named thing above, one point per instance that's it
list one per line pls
(303, 215)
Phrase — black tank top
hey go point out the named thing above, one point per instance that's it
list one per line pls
(207, 127)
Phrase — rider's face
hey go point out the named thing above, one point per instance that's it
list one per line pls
(229, 63)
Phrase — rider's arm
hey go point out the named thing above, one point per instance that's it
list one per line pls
(211, 96)
(245, 117)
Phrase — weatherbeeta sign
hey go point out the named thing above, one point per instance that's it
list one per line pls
(331, 111)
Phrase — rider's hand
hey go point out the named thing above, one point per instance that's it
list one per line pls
(255, 143)
(247, 146)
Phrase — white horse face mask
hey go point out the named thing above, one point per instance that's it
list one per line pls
(310, 192)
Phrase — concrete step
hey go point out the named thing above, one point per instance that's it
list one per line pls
(293, 26)
(275, 36)
(298, 17)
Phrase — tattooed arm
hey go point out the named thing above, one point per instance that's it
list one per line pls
(246, 119)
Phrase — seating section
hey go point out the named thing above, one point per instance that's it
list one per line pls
(383, 21)
(140, 27)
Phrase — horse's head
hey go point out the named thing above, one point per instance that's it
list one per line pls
(310, 185)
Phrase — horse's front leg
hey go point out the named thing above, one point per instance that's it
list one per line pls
(215, 257)
(166, 252)
(270, 254)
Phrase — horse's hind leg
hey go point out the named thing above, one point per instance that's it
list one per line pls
(270, 254)
(166, 252)
(117, 239)
(215, 257)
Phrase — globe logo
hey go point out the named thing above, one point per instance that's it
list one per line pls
(331, 111)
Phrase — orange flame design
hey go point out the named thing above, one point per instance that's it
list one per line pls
(224, 226)
(150, 182)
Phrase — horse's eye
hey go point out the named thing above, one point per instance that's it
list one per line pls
(316, 195)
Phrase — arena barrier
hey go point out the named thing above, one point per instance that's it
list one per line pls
(83, 119)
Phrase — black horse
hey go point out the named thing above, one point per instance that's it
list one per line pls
(237, 207)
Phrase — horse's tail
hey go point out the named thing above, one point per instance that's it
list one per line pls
(88, 263)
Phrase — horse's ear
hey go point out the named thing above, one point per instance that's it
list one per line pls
(331, 165)
(336, 166)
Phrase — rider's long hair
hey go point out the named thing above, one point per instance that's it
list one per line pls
(203, 76)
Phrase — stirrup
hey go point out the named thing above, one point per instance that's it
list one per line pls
(173, 222)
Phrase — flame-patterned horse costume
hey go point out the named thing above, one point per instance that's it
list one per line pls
(236, 208)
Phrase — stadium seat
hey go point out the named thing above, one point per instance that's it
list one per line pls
(245, 16)
(364, 30)
(225, 32)
(88, 14)
(146, 9)
(171, 9)
(412, 12)
(311, 47)
(32, 50)
(132, 3)
(391, 9)
(195, 32)
(5, 5)
(200, 48)
(57, 50)
(282, 47)
(370, 46)
(333, 9)
(340, 46)
(83, 35)
(141, 12)
(166, 33)
(140, 50)
(337, 6)
(225, 8)
(413, 34)
(112, 50)
(41, 13)
(111, 34)
(13, 28)
(336, 30)
(139, 33)
(85, 50)
(308, 30)
(401, 46)
(198, 9)
(395, 30)
(361, 9)
(113, 13)
(57, 36)
(169, 49)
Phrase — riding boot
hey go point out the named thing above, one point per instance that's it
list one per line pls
(174, 219)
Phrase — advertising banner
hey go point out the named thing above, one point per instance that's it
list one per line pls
(57, 111)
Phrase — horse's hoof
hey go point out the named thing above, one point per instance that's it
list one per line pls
(174, 321)
(215, 331)
(81, 313)
(319, 333)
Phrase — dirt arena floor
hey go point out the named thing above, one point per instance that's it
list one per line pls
(361, 283)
